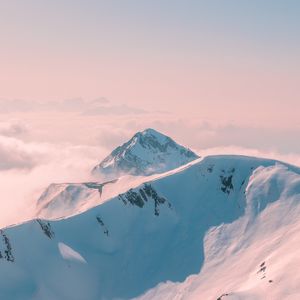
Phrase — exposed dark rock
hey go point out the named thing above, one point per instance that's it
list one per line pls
(223, 295)
(143, 195)
(98, 186)
(226, 181)
(210, 168)
(124, 160)
(243, 182)
(122, 199)
(100, 221)
(46, 227)
(262, 269)
(134, 198)
(227, 185)
(8, 255)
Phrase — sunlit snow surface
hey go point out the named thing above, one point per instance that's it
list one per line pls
(70, 254)
(255, 257)
(224, 227)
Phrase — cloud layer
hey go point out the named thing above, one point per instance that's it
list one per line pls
(41, 143)
(98, 106)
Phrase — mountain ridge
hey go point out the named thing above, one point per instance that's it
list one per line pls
(147, 153)
(159, 231)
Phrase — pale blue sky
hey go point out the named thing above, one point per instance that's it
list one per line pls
(231, 61)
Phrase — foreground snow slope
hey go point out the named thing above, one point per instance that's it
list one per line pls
(255, 257)
(219, 219)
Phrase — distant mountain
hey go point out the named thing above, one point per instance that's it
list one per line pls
(225, 227)
(66, 199)
(147, 152)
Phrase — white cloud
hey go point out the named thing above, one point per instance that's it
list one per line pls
(39, 148)
(15, 154)
(98, 106)
(27, 168)
(13, 128)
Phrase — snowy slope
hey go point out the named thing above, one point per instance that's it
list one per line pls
(147, 152)
(218, 219)
(66, 199)
(255, 257)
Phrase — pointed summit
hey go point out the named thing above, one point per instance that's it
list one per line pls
(147, 152)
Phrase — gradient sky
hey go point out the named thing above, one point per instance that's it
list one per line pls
(80, 77)
(211, 73)
(234, 61)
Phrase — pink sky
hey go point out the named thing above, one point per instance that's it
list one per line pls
(221, 63)
(217, 76)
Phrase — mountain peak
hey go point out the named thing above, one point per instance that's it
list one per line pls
(151, 131)
(146, 153)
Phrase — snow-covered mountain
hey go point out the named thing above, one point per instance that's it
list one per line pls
(66, 199)
(255, 257)
(147, 152)
(225, 227)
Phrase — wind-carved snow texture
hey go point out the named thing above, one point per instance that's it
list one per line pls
(209, 244)
(147, 152)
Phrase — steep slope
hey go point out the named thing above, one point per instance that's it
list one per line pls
(255, 257)
(164, 230)
(147, 152)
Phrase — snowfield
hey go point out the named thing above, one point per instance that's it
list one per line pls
(224, 227)
(255, 257)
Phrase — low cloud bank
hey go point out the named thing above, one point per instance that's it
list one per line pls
(26, 169)
(38, 148)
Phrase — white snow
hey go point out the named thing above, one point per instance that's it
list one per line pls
(70, 254)
(147, 152)
(198, 232)
(236, 253)
(66, 199)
